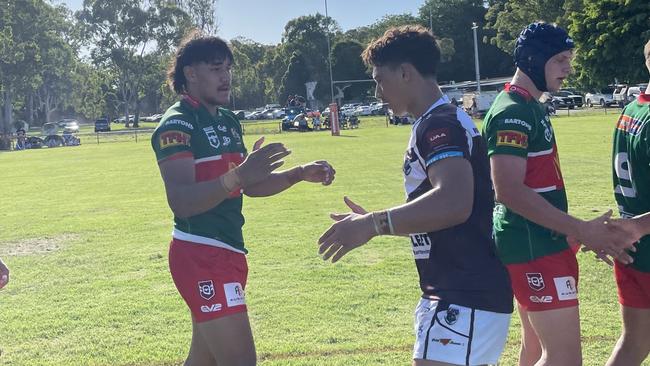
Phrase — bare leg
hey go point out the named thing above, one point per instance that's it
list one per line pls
(634, 344)
(558, 332)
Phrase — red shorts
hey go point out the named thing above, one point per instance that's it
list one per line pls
(211, 280)
(546, 283)
(633, 286)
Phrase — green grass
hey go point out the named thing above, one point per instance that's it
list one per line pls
(102, 293)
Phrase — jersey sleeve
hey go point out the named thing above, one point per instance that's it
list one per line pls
(508, 135)
(442, 139)
(173, 139)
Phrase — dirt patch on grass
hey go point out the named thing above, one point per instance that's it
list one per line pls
(32, 246)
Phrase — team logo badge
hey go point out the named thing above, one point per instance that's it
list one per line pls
(535, 281)
(206, 289)
(452, 316)
(212, 136)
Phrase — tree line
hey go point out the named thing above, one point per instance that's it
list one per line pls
(110, 57)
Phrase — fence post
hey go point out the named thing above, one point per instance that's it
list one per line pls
(136, 135)
(97, 133)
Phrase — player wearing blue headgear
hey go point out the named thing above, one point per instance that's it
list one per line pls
(530, 220)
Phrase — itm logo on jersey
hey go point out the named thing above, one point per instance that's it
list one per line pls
(512, 139)
(566, 288)
(234, 294)
(535, 281)
(206, 289)
(174, 138)
(212, 136)
(452, 315)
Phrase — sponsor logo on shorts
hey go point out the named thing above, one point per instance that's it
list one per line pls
(541, 299)
(535, 281)
(234, 294)
(212, 136)
(421, 245)
(566, 288)
(211, 308)
(512, 139)
(174, 138)
(206, 289)
(447, 341)
(452, 316)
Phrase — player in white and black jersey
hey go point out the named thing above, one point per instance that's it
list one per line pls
(464, 313)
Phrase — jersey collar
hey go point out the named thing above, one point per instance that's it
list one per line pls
(643, 97)
(519, 91)
(443, 100)
(191, 101)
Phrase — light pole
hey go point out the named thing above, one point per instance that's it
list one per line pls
(329, 53)
(478, 73)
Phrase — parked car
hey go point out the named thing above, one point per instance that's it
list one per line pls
(240, 114)
(65, 121)
(602, 97)
(152, 118)
(378, 108)
(397, 120)
(560, 100)
(102, 125)
(290, 114)
(362, 110)
(72, 127)
(578, 100)
(623, 94)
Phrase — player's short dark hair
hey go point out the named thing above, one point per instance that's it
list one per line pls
(195, 48)
(412, 44)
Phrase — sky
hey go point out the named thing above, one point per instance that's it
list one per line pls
(263, 21)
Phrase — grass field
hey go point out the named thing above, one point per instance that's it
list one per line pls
(85, 232)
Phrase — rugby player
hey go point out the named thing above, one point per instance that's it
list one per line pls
(530, 218)
(630, 158)
(463, 315)
(206, 169)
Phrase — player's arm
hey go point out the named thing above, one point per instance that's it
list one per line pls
(448, 203)
(445, 151)
(187, 198)
(315, 172)
(508, 173)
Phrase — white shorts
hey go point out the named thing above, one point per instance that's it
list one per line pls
(457, 334)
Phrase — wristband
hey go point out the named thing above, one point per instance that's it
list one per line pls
(374, 222)
(391, 230)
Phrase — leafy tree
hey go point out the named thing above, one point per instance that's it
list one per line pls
(609, 36)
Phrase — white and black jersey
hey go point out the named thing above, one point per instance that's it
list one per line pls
(459, 264)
